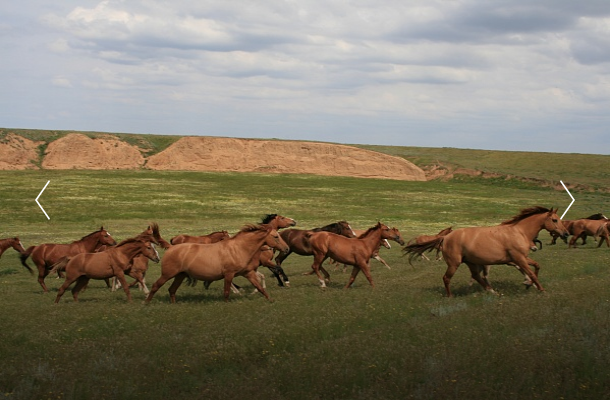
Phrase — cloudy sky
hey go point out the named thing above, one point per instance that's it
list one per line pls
(510, 75)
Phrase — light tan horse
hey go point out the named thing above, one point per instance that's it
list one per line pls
(48, 254)
(509, 242)
(352, 251)
(221, 260)
(15, 243)
(112, 262)
(569, 225)
(204, 239)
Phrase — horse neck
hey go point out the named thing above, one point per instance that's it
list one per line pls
(372, 238)
(124, 254)
(245, 243)
(531, 226)
(5, 244)
(89, 243)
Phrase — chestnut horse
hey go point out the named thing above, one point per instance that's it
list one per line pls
(111, 262)
(221, 260)
(352, 251)
(15, 243)
(46, 255)
(509, 242)
(205, 239)
(569, 225)
(139, 264)
(596, 228)
(298, 242)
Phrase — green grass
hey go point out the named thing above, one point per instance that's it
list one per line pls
(403, 339)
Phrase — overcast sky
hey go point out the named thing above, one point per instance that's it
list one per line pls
(509, 75)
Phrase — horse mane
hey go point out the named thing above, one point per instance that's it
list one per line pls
(445, 231)
(130, 240)
(91, 234)
(596, 217)
(371, 229)
(526, 213)
(252, 228)
(268, 218)
(330, 226)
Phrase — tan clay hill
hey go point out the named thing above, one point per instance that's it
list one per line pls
(17, 152)
(248, 155)
(77, 151)
(107, 152)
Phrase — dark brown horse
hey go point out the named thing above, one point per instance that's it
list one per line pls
(111, 262)
(46, 255)
(15, 243)
(204, 239)
(509, 242)
(221, 260)
(297, 239)
(352, 251)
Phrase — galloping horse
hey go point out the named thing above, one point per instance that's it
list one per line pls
(596, 228)
(353, 251)
(509, 242)
(569, 225)
(15, 243)
(424, 238)
(139, 264)
(298, 242)
(205, 239)
(48, 254)
(221, 260)
(111, 262)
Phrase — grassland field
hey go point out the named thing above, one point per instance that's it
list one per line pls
(401, 340)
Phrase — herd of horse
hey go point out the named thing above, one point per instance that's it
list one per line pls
(220, 256)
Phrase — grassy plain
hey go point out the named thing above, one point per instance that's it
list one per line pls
(403, 339)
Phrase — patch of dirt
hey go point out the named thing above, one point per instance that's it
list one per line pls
(18, 153)
(77, 151)
(247, 155)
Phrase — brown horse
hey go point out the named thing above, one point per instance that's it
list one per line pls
(596, 228)
(221, 260)
(352, 251)
(569, 225)
(424, 238)
(297, 239)
(384, 242)
(139, 264)
(15, 243)
(111, 262)
(46, 255)
(204, 239)
(509, 242)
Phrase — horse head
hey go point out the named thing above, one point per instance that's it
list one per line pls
(274, 240)
(398, 237)
(553, 224)
(278, 221)
(149, 251)
(345, 229)
(105, 238)
(17, 245)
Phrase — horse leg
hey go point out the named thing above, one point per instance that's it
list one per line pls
(366, 270)
(484, 271)
(318, 259)
(227, 287)
(156, 286)
(523, 263)
(452, 266)
(281, 257)
(381, 260)
(63, 288)
(352, 277)
(121, 277)
(42, 273)
(80, 284)
(252, 276)
(475, 273)
(601, 240)
(175, 285)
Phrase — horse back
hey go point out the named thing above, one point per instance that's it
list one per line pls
(484, 245)
(93, 265)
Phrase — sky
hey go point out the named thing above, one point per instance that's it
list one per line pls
(521, 75)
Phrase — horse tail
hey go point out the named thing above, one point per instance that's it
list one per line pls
(417, 249)
(59, 265)
(24, 256)
(157, 235)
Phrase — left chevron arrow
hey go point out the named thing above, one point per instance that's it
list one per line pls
(39, 194)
